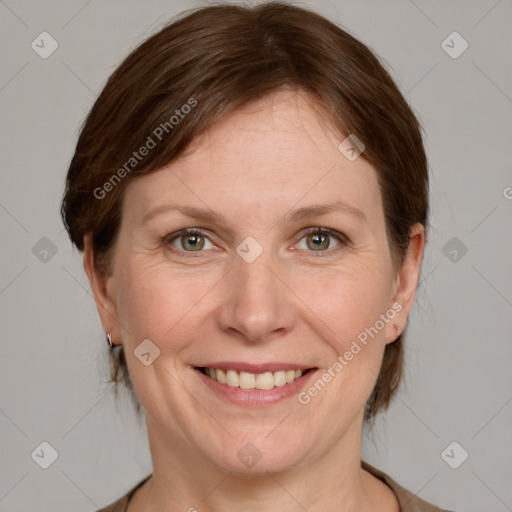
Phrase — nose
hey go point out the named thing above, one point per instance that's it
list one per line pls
(258, 305)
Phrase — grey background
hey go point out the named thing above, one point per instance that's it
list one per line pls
(458, 384)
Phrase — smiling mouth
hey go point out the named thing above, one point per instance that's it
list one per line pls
(246, 380)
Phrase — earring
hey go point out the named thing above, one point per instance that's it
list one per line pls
(398, 329)
(109, 339)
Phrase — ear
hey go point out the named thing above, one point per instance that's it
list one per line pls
(406, 283)
(102, 289)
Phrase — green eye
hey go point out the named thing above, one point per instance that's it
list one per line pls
(320, 239)
(189, 240)
(317, 240)
(195, 242)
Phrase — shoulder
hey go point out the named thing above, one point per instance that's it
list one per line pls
(121, 505)
(408, 501)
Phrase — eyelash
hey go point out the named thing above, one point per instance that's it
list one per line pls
(340, 237)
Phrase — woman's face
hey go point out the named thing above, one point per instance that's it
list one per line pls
(260, 289)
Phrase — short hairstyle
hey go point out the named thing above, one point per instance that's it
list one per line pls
(205, 64)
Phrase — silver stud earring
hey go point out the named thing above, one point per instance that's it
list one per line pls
(398, 329)
(109, 339)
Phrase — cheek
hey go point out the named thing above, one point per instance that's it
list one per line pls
(345, 309)
(158, 302)
(345, 303)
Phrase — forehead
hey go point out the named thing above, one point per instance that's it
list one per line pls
(271, 154)
(269, 128)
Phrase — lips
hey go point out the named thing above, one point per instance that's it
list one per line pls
(254, 385)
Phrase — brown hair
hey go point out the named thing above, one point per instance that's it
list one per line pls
(215, 59)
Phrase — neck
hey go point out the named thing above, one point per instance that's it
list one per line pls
(187, 481)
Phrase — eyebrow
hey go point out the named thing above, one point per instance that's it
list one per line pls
(297, 215)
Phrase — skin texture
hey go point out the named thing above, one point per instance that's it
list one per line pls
(292, 304)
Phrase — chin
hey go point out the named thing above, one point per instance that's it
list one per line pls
(258, 456)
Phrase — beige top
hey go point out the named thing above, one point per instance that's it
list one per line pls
(407, 500)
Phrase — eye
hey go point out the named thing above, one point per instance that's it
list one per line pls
(320, 239)
(317, 240)
(189, 240)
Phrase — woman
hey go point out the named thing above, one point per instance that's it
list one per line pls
(250, 191)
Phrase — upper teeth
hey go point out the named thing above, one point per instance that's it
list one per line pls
(246, 380)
